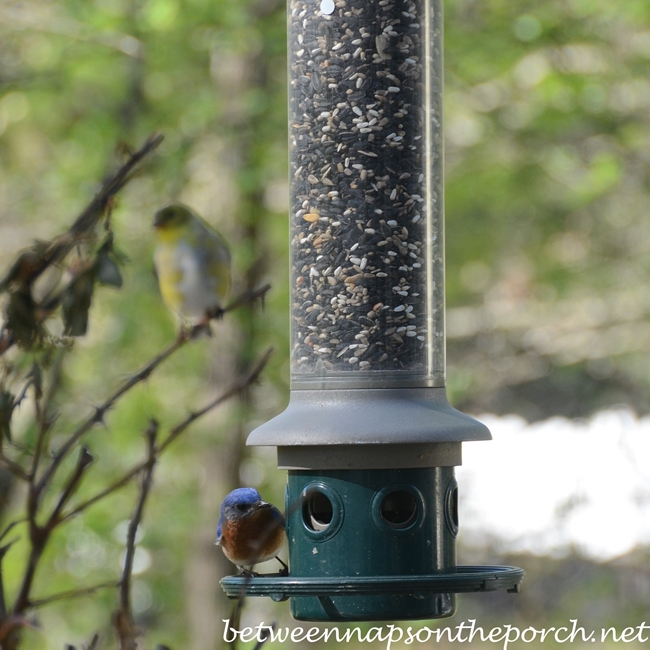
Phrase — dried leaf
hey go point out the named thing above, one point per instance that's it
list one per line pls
(7, 401)
(75, 303)
(24, 266)
(21, 319)
(107, 272)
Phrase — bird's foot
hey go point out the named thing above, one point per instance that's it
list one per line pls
(215, 313)
(284, 571)
(191, 331)
(247, 573)
(185, 333)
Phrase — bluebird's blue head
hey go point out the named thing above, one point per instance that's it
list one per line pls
(237, 505)
(240, 500)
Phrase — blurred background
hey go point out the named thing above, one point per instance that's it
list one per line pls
(547, 123)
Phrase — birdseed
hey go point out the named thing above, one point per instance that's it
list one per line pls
(366, 192)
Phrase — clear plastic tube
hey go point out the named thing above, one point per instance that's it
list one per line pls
(367, 215)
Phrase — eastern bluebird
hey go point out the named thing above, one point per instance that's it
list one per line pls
(250, 530)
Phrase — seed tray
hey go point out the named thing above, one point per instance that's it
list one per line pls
(465, 579)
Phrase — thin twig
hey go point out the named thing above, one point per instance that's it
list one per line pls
(42, 406)
(40, 535)
(235, 619)
(248, 297)
(142, 374)
(3, 602)
(72, 593)
(58, 248)
(85, 460)
(13, 467)
(125, 588)
(38, 541)
(23, 394)
(121, 482)
(11, 526)
(87, 220)
(234, 390)
(124, 622)
(100, 411)
(45, 424)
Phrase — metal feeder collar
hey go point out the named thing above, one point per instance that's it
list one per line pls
(369, 438)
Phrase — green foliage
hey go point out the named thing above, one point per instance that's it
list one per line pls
(547, 128)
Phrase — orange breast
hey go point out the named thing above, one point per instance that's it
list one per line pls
(253, 539)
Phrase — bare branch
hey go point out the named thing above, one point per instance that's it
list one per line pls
(185, 336)
(23, 394)
(234, 390)
(151, 433)
(38, 538)
(124, 623)
(11, 526)
(40, 535)
(84, 462)
(28, 269)
(13, 467)
(45, 423)
(72, 593)
(3, 602)
(121, 482)
(44, 419)
(248, 297)
(100, 411)
(87, 220)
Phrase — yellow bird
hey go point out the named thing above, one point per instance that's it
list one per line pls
(192, 262)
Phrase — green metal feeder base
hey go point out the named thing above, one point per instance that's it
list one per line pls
(329, 594)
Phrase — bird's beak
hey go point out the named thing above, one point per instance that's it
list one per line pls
(157, 220)
(258, 506)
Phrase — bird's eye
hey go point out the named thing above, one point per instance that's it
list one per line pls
(242, 507)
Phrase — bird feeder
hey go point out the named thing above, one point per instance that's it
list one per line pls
(369, 439)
